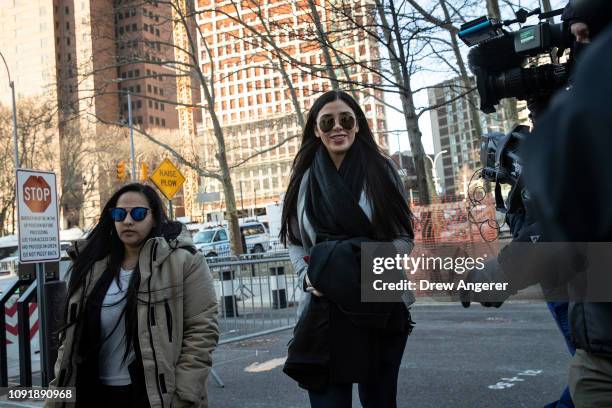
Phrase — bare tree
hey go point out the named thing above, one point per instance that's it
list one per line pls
(38, 149)
(447, 22)
(122, 51)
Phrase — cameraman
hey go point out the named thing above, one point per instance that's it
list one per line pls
(587, 20)
(572, 144)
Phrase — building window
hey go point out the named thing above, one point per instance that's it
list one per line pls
(161, 106)
(157, 105)
(139, 120)
(157, 32)
(155, 90)
(67, 26)
(149, 89)
(146, 27)
(137, 88)
(150, 103)
(157, 121)
(68, 40)
(151, 121)
(139, 104)
(67, 10)
(163, 122)
(161, 92)
(134, 27)
(136, 73)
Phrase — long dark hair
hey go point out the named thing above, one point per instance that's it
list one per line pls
(103, 242)
(390, 212)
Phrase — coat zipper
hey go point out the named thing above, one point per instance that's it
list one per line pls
(168, 319)
(152, 258)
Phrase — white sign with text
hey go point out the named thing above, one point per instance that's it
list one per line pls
(38, 216)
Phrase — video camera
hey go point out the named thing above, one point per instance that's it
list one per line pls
(498, 57)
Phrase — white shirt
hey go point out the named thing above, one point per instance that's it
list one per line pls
(112, 371)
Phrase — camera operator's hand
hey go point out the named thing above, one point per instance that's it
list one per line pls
(580, 30)
(491, 273)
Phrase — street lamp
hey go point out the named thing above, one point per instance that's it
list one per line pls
(12, 85)
(434, 172)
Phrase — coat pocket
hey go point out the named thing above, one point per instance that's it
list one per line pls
(168, 319)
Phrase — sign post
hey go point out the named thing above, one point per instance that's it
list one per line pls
(168, 180)
(38, 220)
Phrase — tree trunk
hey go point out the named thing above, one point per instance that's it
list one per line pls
(226, 179)
(329, 67)
(493, 9)
(509, 104)
(294, 98)
(402, 77)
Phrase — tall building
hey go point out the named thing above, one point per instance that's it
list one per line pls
(28, 43)
(86, 56)
(453, 131)
(252, 97)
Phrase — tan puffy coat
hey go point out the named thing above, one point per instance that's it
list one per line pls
(177, 324)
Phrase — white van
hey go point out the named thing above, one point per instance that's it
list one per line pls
(215, 241)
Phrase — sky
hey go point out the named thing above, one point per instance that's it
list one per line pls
(395, 120)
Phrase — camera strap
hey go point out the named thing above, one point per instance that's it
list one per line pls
(499, 200)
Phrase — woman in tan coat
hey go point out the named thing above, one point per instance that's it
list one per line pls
(141, 314)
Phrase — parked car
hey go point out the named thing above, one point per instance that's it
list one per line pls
(9, 254)
(215, 241)
(9, 251)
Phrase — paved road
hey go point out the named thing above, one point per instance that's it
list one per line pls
(455, 357)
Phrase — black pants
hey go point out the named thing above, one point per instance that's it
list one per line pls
(379, 394)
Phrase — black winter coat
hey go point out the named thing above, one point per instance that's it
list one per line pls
(568, 171)
(338, 338)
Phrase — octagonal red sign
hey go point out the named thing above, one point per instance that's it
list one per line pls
(37, 194)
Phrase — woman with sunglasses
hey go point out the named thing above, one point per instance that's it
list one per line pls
(141, 312)
(343, 190)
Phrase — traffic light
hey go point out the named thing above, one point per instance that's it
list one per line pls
(144, 172)
(121, 172)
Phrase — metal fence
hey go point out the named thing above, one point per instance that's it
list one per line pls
(257, 294)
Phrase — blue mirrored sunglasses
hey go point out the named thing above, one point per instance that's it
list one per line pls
(137, 213)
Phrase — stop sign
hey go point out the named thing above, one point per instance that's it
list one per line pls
(36, 194)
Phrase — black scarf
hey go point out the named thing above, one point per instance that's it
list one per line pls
(332, 198)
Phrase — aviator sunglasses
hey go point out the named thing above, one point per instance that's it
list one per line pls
(137, 213)
(327, 122)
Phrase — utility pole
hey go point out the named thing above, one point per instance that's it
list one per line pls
(130, 124)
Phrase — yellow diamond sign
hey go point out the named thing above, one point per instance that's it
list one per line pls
(168, 178)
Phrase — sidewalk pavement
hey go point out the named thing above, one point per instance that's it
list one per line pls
(466, 358)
